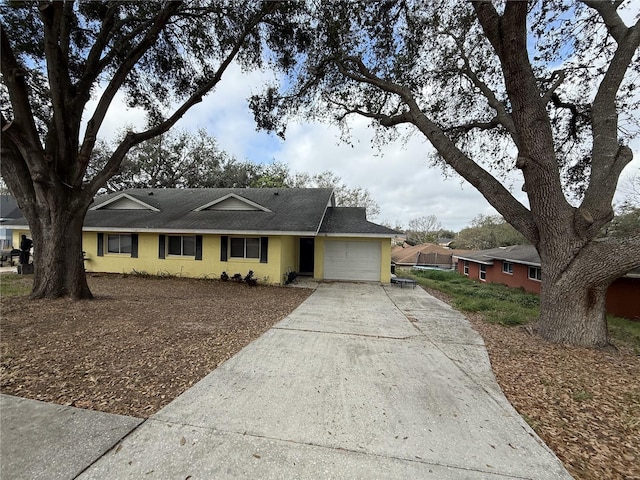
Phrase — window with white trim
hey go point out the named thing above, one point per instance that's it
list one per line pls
(183, 245)
(244, 247)
(535, 273)
(466, 267)
(483, 272)
(507, 267)
(117, 243)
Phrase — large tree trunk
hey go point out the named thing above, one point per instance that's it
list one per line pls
(573, 313)
(57, 251)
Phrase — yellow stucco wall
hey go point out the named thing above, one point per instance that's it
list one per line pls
(288, 255)
(283, 253)
(385, 260)
(318, 259)
(17, 236)
(210, 266)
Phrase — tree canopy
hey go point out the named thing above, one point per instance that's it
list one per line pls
(547, 89)
(487, 231)
(425, 229)
(180, 159)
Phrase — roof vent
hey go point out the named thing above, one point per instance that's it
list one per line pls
(150, 193)
(276, 193)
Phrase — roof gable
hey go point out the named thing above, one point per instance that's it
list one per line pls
(232, 202)
(124, 201)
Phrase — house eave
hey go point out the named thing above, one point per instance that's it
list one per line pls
(200, 231)
(469, 259)
(354, 234)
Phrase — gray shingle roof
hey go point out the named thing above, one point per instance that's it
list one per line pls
(290, 210)
(346, 220)
(9, 207)
(525, 254)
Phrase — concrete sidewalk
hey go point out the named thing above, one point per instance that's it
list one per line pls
(361, 381)
(46, 441)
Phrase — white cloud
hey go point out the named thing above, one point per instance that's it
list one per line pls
(118, 117)
(398, 176)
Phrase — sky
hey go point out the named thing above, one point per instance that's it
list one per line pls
(398, 176)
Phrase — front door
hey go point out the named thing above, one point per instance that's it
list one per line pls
(306, 256)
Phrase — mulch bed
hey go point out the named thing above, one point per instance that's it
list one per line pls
(138, 345)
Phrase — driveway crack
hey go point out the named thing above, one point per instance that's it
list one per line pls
(348, 334)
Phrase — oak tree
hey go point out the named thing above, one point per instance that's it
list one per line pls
(548, 89)
(56, 56)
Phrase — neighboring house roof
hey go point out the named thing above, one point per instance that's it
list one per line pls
(352, 220)
(524, 254)
(444, 241)
(410, 255)
(8, 208)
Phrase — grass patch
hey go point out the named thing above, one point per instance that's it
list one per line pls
(497, 303)
(582, 395)
(14, 284)
(508, 306)
(625, 331)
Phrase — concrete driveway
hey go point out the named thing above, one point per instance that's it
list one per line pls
(361, 381)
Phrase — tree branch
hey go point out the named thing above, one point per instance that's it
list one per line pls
(131, 139)
(609, 157)
(93, 65)
(467, 127)
(608, 12)
(384, 119)
(52, 16)
(21, 131)
(610, 258)
(495, 193)
(95, 122)
(502, 116)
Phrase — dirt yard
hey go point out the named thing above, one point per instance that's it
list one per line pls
(138, 345)
(143, 341)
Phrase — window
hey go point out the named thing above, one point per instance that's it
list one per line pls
(535, 273)
(483, 272)
(245, 247)
(466, 267)
(184, 245)
(507, 267)
(118, 243)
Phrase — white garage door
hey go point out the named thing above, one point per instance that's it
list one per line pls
(351, 260)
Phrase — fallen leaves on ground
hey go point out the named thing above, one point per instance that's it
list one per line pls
(585, 404)
(135, 347)
(143, 341)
